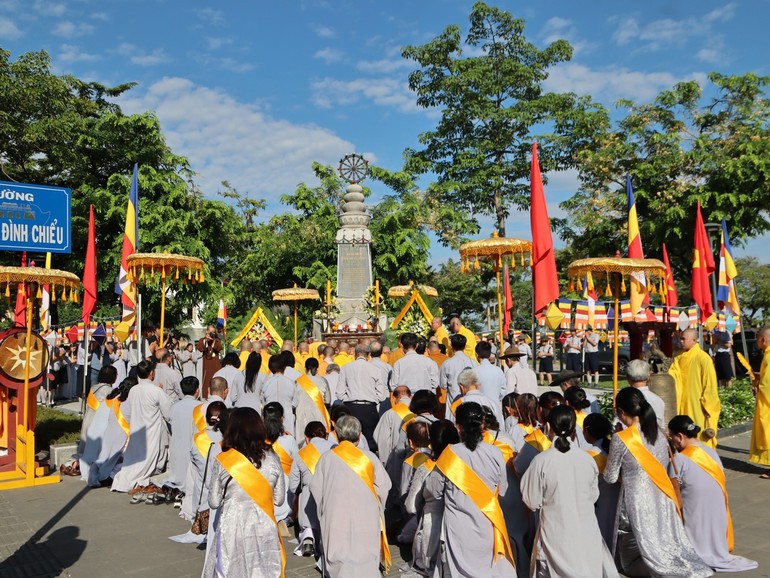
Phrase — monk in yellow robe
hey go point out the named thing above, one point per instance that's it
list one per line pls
(697, 393)
(441, 335)
(759, 450)
(456, 325)
(301, 356)
(343, 357)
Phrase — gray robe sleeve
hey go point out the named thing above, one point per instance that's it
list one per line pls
(614, 459)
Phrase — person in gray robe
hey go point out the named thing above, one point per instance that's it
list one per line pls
(253, 381)
(107, 377)
(147, 410)
(216, 420)
(299, 483)
(468, 535)
(562, 483)
(392, 444)
(244, 542)
(470, 391)
(113, 440)
(597, 430)
(182, 431)
(307, 410)
(350, 517)
(168, 377)
(705, 522)
(280, 388)
(650, 537)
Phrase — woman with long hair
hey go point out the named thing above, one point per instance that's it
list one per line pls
(247, 483)
(253, 379)
(562, 483)
(538, 439)
(701, 478)
(470, 476)
(427, 538)
(206, 447)
(650, 538)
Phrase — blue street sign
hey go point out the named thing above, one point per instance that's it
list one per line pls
(35, 218)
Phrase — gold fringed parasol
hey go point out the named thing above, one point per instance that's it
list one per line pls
(617, 267)
(404, 290)
(295, 294)
(168, 266)
(25, 473)
(494, 250)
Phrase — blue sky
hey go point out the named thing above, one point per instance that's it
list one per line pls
(253, 92)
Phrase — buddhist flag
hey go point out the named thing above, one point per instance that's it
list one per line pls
(589, 293)
(670, 294)
(639, 294)
(726, 294)
(702, 267)
(124, 287)
(508, 301)
(544, 276)
(89, 271)
(222, 315)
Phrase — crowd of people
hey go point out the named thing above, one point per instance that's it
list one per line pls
(430, 445)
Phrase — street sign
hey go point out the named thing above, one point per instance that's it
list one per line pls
(35, 218)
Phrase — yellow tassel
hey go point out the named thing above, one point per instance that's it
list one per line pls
(571, 286)
(499, 262)
(73, 296)
(163, 273)
(623, 286)
(39, 293)
(579, 285)
(64, 295)
(477, 265)
(663, 289)
(202, 279)
(608, 291)
(8, 291)
(653, 289)
(53, 294)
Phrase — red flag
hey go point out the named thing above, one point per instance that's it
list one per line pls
(20, 313)
(89, 272)
(703, 265)
(508, 302)
(544, 275)
(671, 297)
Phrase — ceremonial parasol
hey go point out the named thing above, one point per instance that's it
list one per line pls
(168, 266)
(617, 267)
(404, 290)
(493, 250)
(57, 280)
(295, 294)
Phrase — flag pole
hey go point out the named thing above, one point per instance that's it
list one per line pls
(86, 364)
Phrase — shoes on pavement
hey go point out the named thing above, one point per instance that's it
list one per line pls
(137, 494)
(308, 549)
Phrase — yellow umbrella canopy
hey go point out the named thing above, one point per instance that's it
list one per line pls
(295, 294)
(168, 266)
(616, 267)
(53, 277)
(404, 290)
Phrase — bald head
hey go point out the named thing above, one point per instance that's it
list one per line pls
(246, 345)
(689, 339)
(402, 391)
(344, 347)
(303, 347)
(763, 338)
(435, 323)
(288, 345)
(218, 387)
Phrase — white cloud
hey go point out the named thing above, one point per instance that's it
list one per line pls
(214, 43)
(612, 83)
(8, 29)
(71, 53)
(330, 92)
(210, 15)
(70, 29)
(326, 32)
(667, 32)
(558, 28)
(384, 65)
(225, 139)
(141, 57)
(329, 55)
(225, 63)
(49, 8)
(714, 51)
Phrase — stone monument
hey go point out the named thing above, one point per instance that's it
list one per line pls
(354, 258)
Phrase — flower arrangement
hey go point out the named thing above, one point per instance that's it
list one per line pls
(414, 322)
(257, 332)
(372, 302)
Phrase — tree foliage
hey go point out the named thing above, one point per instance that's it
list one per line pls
(492, 103)
(680, 149)
(753, 288)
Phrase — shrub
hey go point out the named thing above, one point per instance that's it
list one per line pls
(737, 403)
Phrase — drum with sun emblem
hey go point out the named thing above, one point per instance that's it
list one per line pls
(13, 358)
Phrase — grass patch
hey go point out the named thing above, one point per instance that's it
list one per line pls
(55, 427)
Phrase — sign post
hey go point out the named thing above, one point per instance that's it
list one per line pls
(35, 218)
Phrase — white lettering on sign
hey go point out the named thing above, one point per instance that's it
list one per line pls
(9, 195)
(15, 232)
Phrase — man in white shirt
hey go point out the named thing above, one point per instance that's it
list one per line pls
(573, 346)
(637, 374)
(414, 370)
(523, 347)
(361, 389)
(591, 342)
(519, 378)
(166, 377)
(491, 377)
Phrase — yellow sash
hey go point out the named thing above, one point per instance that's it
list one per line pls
(430, 464)
(357, 461)
(416, 459)
(310, 455)
(508, 452)
(114, 405)
(528, 429)
(711, 467)
(199, 418)
(311, 389)
(92, 402)
(255, 485)
(203, 442)
(599, 458)
(286, 460)
(538, 440)
(470, 484)
(403, 412)
(633, 440)
(455, 404)
(580, 417)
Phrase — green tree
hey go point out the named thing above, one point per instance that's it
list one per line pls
(680, 149)
(491, 102)
(464, 294)
(753, 288)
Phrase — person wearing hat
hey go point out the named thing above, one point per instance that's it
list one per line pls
(591, 344)
(568, 379)
(521, 345)
(545, 358)
(457, 327)
(519, 377)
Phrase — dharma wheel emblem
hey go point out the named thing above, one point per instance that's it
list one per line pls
(353, 168)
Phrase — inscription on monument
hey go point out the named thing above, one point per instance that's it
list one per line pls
(355, 270)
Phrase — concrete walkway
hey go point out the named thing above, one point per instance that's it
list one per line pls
(69, 530)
